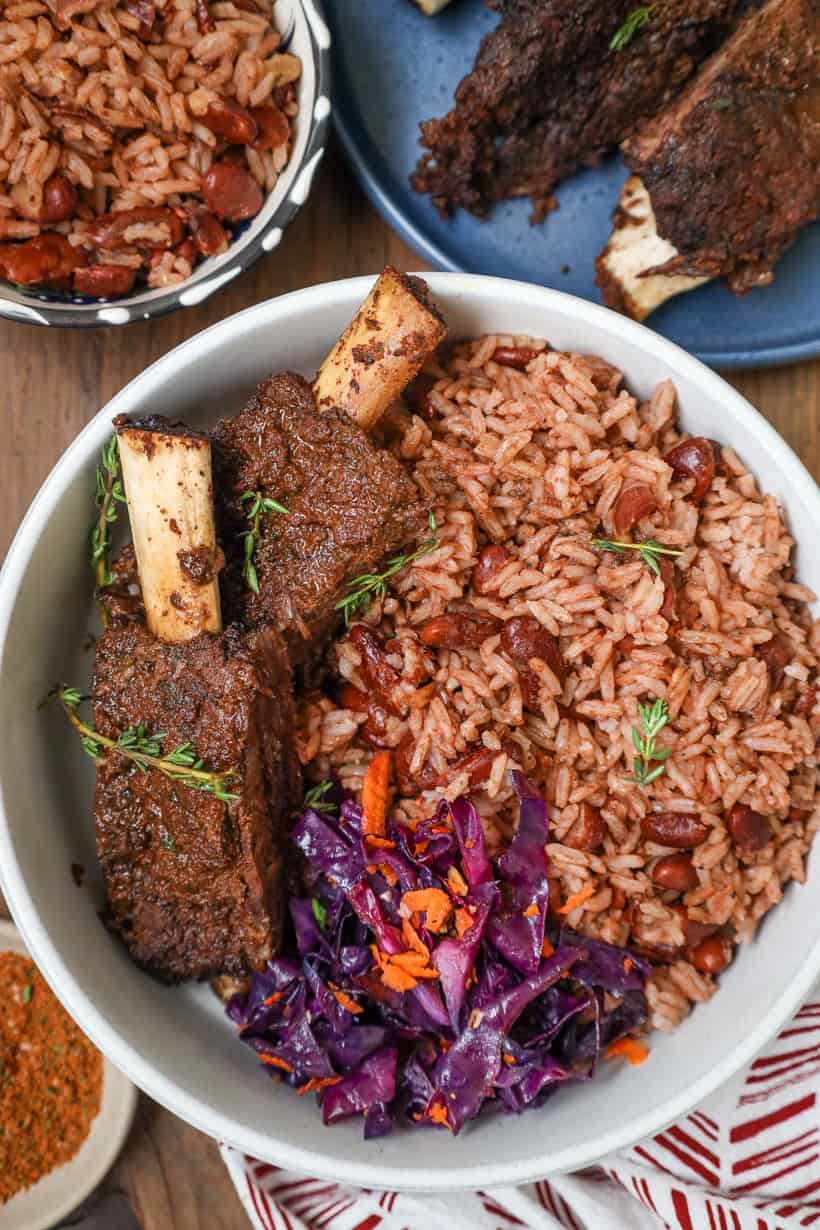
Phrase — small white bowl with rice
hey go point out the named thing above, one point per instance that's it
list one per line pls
(176, 1044)
(150, 153)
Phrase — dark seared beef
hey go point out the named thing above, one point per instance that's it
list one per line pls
(548, 95)
(350, 503)
(195, 886)
(733, 166)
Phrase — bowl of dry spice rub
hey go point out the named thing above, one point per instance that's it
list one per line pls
(64, 1110)
(149, 153)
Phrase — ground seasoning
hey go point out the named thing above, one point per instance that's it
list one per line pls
(50, 1078)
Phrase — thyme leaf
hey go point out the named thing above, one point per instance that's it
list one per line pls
(259, 506)
(108, 494)
(637, 20)
(372, 586)
(145, 750)
(648, 550)
(649, 762)
(319, 912)
(315, 798)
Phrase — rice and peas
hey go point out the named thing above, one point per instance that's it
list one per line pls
(135, 135)
(527, 461)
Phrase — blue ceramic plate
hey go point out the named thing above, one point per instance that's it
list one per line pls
(394, 67)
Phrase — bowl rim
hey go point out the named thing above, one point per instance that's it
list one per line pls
(240, 256)
(195, 1109)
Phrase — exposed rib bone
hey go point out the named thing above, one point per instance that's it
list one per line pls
(167, 475)
(385, 345)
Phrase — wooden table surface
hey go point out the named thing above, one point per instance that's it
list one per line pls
(55, 380)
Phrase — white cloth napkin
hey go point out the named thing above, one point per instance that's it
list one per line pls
(747, 1159)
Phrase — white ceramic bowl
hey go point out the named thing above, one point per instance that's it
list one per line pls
(302, 24)
(176, 1044)
(57, 1193)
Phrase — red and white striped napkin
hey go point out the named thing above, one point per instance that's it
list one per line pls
(748, 1159)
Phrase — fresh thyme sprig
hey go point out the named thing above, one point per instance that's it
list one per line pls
(373, 585)
(649, 762)
(180, 765)
(109, 493)
(635, 22)
(315, 798)
(260, 505)
(648, 551)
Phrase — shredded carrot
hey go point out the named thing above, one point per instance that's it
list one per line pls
(398, 979)
(441, 828)
(469, 843)
(532, 911)
(434, 903)
(634, 1052)
(421, 845)
(414, 963)
(318, 1082)
(457, 882)
(375, 791)
(274, 1061)
(628, 963)
(464, 921)
(273, 999)
(510, 1059)
(444, 1045)
(413, 939)
(379, 843)
(347, 1001)
(547, 949)
(575, 899)
(437, 1113)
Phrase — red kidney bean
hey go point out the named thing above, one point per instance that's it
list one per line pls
(711, 956)
(187, 250)
(46, 258)
(477, 766)
(108, 231)
(693, 931)
(207, 232)
(749, 830)
(625, 645)
(146, 14)
(682, 830)
(231, 192)
(412, 784)
(806, 702)
(631, 505)
(587, 833)
(353, 698)
(104, 280)
(491, 560)
(203, 17)
(669, 606)
(524, 638)
(374, 730)
(777, 655)
(457, 630)
(377, 672)
(60, 200)
(272, 125)
(514, 356)
(530, 686)
(227, 119)
(693, 459)
(676, 872)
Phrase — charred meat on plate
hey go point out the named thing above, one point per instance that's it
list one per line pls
(195, 877)
(549, 94)
(725, 178)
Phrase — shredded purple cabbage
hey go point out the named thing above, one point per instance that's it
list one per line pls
(495, 1024)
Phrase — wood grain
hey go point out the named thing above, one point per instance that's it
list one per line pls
(56, 380)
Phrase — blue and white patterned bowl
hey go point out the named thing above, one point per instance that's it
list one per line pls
(309, 39)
